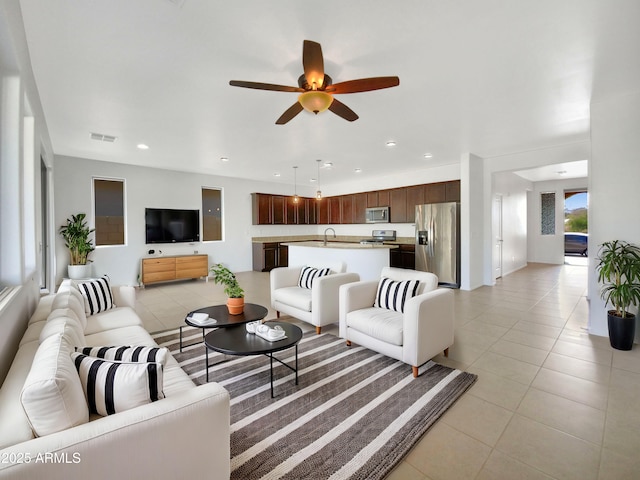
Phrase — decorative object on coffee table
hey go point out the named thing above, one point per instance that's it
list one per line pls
(76, 238)
(619, 272)
(222, 275)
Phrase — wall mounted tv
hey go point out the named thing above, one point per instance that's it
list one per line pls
(165, 225)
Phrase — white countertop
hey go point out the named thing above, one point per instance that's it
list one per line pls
(343, 245)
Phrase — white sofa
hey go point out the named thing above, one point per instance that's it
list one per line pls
(422, 331)
(317, 305)
(185, 435)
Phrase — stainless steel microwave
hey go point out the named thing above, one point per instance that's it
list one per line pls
(377, 215)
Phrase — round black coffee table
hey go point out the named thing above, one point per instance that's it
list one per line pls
(220, 313)
(237, 341)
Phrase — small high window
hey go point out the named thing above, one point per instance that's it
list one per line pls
(211, 214)
(109, 211)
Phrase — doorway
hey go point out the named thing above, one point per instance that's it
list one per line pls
(576, 227)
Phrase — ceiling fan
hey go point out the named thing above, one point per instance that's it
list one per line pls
(316, 88)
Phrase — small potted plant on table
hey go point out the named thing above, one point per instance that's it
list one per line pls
(76, 238)
(223, 276)
(619, 271)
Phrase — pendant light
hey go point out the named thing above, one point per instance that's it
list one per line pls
(295, 185)
(318, 192)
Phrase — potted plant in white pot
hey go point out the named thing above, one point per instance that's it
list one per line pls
(222, 275)
(619, 272)
(76, 238)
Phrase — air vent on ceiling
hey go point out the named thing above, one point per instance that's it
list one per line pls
(102, 137)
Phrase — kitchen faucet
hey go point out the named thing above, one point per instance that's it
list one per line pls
(325, 234)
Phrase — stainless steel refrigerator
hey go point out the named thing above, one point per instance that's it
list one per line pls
(438, 241)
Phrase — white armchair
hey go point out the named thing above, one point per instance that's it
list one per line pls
(317, 305)
(413, 337)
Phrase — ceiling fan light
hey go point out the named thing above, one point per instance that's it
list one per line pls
(315, 101)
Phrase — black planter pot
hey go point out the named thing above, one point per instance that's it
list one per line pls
(622, 331)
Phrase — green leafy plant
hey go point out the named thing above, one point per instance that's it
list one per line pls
(619, 271)
(76, 238)
(221, 275)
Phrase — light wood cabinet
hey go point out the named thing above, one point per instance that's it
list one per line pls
(178, 267)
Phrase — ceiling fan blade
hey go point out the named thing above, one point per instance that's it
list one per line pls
(343, 111)
(291, 112)
(313, 64)
(364, 85)
(265, 86)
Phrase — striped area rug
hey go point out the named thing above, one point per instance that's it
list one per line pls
(354, 414)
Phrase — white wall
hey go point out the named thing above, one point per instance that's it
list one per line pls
(614, 193)
(513, 190)
(157, 188)
(549, 248)
(23, 139)
(473, 251)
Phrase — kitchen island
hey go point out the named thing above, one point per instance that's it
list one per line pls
(366, 260)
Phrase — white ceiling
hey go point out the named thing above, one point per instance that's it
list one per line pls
(558, 171)
(490, 77)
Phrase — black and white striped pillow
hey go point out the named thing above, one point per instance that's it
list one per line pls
(112, 387)
(309, 274)
(127, 354)
(392, 295)
(97, 295)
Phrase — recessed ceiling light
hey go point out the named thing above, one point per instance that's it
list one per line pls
(357, 170)
(428, 155)
(313, 180)
(276, 174)
(391, 143)
(328, 164)
(142, 146)
(224, 159)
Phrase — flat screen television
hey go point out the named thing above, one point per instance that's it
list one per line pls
(165, 225)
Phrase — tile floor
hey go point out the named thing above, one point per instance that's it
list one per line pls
(551, 401)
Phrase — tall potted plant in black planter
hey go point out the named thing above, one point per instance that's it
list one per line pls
(619, 272)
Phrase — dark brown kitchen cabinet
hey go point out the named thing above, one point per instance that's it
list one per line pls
(359, 207)
(323, 211)
(403, 257)
(452, 191)
(347, 203)
(435, 193)
(261, 208)
(335, 210)
(372, 199)
(398, 205)
(279, 205)
(311, 209)
(292, 211)
(384, 198)
(415, 196)
(269, 255)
